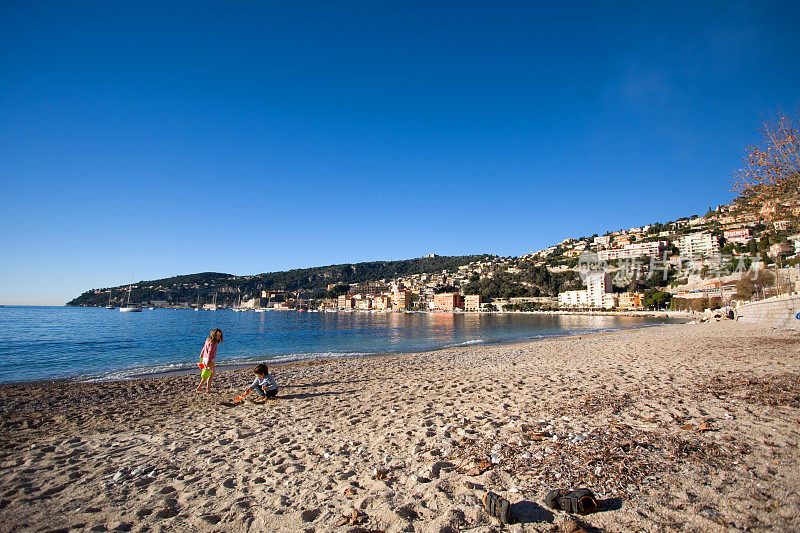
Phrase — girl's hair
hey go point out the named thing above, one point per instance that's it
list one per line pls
(215, 336)
(261, 369)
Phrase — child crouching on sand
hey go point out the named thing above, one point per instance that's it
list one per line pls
(207, 357)
(264, 385)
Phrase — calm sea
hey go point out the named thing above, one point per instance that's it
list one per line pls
(99, 344)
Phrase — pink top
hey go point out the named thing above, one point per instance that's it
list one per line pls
(209, 352)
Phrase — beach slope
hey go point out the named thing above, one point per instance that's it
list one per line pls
(691, 427)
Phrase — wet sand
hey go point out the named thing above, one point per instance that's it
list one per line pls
(691, 427)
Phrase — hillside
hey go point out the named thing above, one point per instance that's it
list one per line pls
(190, 287)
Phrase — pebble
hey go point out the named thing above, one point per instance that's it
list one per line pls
(495, 459)
(118, 476)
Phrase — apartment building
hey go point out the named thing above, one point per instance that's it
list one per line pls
(448, 301)
(782, 225)
(472, 302)
(604, 240)
(345, 301)
(402, 299)
(382, 302)
(573, 299)
(740, 235)
(637, 249)
(697, 244)
(365, 289)
(597, 286)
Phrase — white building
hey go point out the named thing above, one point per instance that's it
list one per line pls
(598, 286)
(573, 299)
(634, 249)
(697, 244)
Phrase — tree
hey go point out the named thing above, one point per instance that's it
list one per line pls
(771, 173)
(752, 283)
(655, 299)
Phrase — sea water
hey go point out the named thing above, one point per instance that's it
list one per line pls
(47, 343)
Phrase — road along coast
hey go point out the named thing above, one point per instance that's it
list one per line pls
(680, 427)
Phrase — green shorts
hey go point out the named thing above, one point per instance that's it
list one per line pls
(206, 373)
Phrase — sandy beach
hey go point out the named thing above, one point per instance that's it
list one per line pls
(691, 427)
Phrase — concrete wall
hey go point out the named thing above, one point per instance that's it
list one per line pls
(778, 312)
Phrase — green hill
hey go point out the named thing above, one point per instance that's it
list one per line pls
(188, 288)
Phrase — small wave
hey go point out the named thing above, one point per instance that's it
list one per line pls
(465, 343)
(177, 368)
(288, 358)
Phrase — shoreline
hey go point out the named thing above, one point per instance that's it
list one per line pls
(690, 427)
(229, 365)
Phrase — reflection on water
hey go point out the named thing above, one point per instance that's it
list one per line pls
(50, 343)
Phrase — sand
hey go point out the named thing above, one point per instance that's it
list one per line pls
(691, 427)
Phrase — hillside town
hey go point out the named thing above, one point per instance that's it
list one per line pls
(722, 258)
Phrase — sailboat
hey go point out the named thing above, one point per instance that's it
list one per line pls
(109, 306)
(214, 303)
(197, 306)
(128, 308)
(238, 307)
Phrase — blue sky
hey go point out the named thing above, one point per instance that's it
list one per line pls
(167, 138)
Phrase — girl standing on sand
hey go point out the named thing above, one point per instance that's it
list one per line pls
(207, 357)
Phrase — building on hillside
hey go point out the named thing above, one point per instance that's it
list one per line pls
(472, 302)
(604, 240)
(448, 301)
(346, 301)
(364, 304)
(698, 244)
(365, 289)
(780, 248)
(633, 250)
(740, 235)
(782, 225)
(402, 299)
(382, 302)
(630, 300)
(597, 286)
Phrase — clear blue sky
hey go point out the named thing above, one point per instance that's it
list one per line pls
(167, 138)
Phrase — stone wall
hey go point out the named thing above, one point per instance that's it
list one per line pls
(780, 312)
